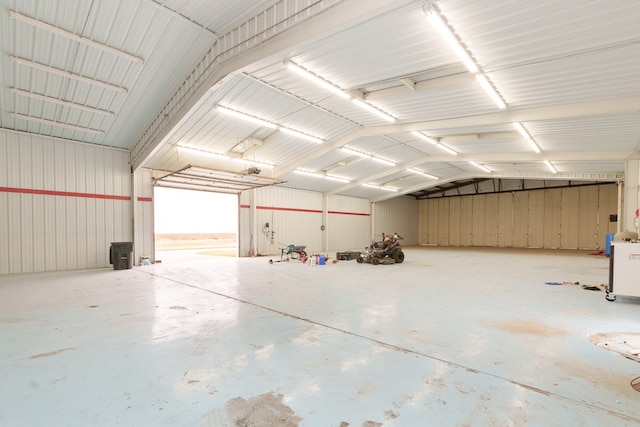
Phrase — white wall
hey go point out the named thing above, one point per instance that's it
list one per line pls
(296, 217)
(61, 203)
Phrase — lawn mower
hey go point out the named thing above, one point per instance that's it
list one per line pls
(386, 251)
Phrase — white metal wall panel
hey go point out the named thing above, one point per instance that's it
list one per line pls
(61, 203)
(295, 217)
(399, 215)
(143, 208)
(348, 223)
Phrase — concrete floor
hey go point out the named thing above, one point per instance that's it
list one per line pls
(452, 337)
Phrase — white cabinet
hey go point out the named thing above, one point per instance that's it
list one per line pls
(624, 270)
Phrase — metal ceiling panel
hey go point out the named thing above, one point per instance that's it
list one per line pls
(569, 71)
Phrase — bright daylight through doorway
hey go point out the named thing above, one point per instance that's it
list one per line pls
(190, 224)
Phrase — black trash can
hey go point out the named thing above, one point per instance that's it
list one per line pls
(121, 255)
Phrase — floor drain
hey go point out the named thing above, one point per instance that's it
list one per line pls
(636, 384)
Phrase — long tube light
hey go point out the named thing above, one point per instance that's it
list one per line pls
(59, 124)
(479, 166)
(76, 38)
(419, 172)
(367, 156)
(382, 161)
(322, 176)
(301, 135)
(424, 137)
(435, 142)
(200, 152)
(550, 166)
(493, 94)
(315, 79)
(67, 74)
(335, 89)
(61, 102)
(246, 117)
(380, 187)
(446, 32)
(355, 153)
(447, 149)
(526, 136)
(261, 122)
(373, 110)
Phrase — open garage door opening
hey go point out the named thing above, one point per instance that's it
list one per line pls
(191, 224)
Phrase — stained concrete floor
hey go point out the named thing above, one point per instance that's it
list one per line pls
(451, 337)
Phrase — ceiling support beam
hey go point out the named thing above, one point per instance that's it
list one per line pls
(617, 106)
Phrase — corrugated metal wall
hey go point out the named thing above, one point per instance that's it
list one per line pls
(296, 217)
(144, 238)
(61, 203)
(399, 215)
(566, 218)
(348, 223)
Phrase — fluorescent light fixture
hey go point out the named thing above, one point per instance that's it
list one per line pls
(522, 130)
(526, 136)
(533, 145)
(355, 153)
(550, 166)
(382, 161)
(491, 91)
(425, 137)
(373, 110)
(308, 173)
(419, 172)
(380, 187)
(200, 152)
(72, 36)
(301, 135)
(446, 32)
(479, 166)
(316, 79)
(246, 117)
(337, 178)
(447, 149)
(319, 175)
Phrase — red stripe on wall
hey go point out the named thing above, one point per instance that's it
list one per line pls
(62, 193)
(275, 208)
(145, 199)
(349, 213)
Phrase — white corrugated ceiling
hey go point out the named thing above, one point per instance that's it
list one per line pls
(148, 75)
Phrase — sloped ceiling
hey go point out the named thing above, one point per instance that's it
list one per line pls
(149, 76)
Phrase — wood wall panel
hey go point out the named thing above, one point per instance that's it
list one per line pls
(466, 221)
(569, 218)
(491, 214)
(520, 219)
(478, 204)
(443, 221)
(552, 218)
(455, 238)
(535, 225)
(505, 219)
